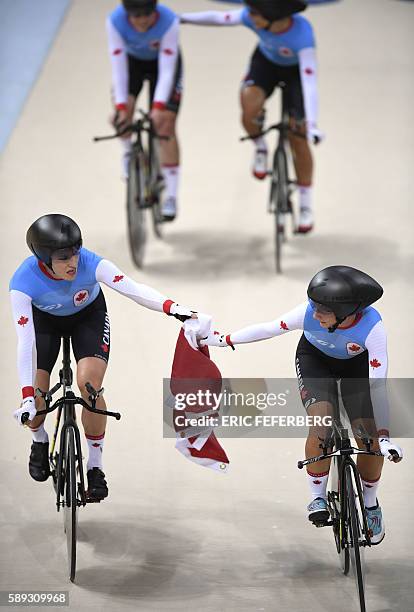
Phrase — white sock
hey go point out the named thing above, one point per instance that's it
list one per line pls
(126, 145)
(95, 446)
(317, 484)
(260, 143)
(305, 196)
(40, 434)
(369, 490)
(171, 176)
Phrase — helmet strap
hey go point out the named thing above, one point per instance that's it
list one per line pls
(335, 325)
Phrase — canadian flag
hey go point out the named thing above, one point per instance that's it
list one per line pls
(193, 371)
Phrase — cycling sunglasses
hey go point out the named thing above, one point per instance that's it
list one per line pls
(321, 308)
(65, 254)
(145, 11)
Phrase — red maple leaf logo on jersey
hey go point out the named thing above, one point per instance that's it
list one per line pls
(308, 71)
(105, 348)
(80, 296)
(168, 52)
(355, 348)
(116, 51)
(374, 363)
(314, 481)
(283, 325)
(118, 278)
(227, 17)
(22, 321)
(96, 445)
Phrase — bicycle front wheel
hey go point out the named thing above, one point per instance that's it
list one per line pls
(279, 194)
(157, 186)
(137, 233)
(339, 516)
(355, 534)
(71, 504)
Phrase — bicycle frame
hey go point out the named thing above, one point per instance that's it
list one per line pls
(69, 420)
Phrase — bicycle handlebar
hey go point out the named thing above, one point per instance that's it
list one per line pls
(342, 451)
(47, 396)
(143, 124)
(280, 127)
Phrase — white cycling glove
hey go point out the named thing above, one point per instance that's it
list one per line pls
(315, 135)
(390, 450)
(27, 405)
(194, 329)
(182, 313)
(216, 339)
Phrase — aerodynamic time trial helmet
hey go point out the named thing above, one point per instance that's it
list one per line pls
(52, 233)
(343, 290)
(272, 10)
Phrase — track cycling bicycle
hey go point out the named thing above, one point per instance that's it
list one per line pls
(66, 463)
(346, 506)
(144, 184)
(282, 186)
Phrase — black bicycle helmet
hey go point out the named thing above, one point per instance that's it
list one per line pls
(51, 233)
(272, 10)
(344, 291)
(139, 7)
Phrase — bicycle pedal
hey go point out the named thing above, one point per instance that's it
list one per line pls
(321, 523)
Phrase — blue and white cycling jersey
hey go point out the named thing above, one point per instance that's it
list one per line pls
(143, 45)
(58, 297)
(283, 48)
(293, 47)
(32, 284)
(343, 343)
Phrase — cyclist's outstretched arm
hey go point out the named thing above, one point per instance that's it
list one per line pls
(26, 340)
(119, 65)
(167, 61)
(260, 331)
(109, 274)
(218, 18)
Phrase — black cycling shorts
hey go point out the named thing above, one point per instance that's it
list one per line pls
(142, 70)
(89, 330)
(318, 375)
(265, 74)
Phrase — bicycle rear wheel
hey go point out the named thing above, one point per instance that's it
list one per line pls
(137, 232)
(71, 504)
(279, 194)
(355, 534)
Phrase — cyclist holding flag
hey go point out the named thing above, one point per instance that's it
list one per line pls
(343, 339)
(57, 292)
(285, 54)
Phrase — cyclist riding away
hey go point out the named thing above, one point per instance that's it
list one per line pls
(343, 339)
(285, 54)
(57, 292)
(143, 45)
